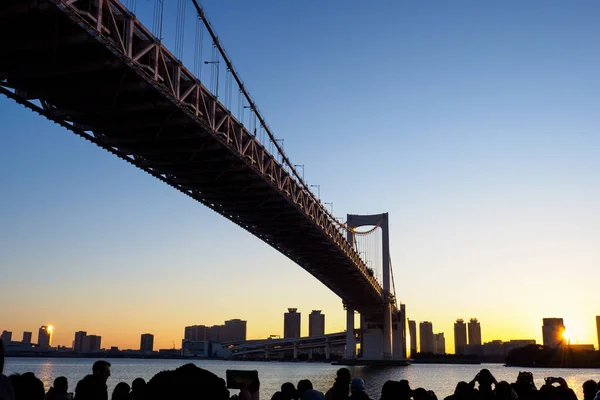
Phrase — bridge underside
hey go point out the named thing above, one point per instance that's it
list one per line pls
(91, 89)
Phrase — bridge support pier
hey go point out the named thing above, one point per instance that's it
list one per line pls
(327, 349)
(295, 352)
(350, 338)
(382, 338)
(387, 332)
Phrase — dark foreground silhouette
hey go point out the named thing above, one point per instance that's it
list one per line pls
(191, 382)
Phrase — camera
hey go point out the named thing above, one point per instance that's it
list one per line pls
(236, 379)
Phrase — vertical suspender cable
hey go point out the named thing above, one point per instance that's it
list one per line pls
(254, 108)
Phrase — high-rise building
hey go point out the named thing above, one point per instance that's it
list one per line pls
(235, 330)
(553, 330)
(147, 342)
(412, 331)
(291, 323)
(427, 342)
(460, 336)
(232, 330)
(598, 329)
(195, 333)
(440, 343)
(216, 333)
(78, 341)
(26, 337)
(316, 323)
(6, 337)
(91, 343)
(403, 334)
(45, 336)
(474, 329)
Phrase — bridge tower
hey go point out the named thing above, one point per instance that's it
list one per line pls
(382, 334)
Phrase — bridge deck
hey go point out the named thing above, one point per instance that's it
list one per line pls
(124, 91)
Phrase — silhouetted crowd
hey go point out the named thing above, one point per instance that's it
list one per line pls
(191, 382)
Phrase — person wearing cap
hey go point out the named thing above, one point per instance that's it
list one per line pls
(357, 390)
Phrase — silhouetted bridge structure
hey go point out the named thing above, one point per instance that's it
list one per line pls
(93, 68)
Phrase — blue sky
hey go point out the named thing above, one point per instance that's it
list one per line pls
(474, 124)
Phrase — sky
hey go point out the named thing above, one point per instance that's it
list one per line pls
(473, 124)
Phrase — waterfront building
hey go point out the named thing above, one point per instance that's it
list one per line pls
(92, 343)
(195, 333)
(460, 336)
(427, 341)
(474, 330)
(291, 323)
(78, 341)
(316, 323)
(147, 342)
(235, 330)
(45, 336)
(474, 347)
(553, 330)
(440, 343)
(6, 336)
(412, 331)
(26, 337)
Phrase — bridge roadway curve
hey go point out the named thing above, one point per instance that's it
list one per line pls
(92, 67)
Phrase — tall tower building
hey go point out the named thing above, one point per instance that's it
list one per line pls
(78, 341)
(26, 337)
(598, 329)
(426, 336)
(6, 337)
(460, 336)
(474, 328)
(440, 343)
(412, 331)
(553, 330)
(147, 342)
(316, 323)
(45, 336)
(235, 329)
(291, 323)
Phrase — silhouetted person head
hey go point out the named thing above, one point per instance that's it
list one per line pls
(404, 390)
(288, 391)
(101, 369)
(186, 382)
(121, 392)
(590, 388)
(462, 390)
(303, 386)
(27, 387)
(389, 390)
(61, 385)
(421, 394)
(503, 391)
(138, 389)
(343, 376)
(485, 380)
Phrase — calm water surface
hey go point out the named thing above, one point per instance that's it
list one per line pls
(440, 378)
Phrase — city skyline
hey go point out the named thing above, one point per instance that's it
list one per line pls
(477, 139)
(553, 331)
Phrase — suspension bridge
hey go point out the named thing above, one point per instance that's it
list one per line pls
(94, 68)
